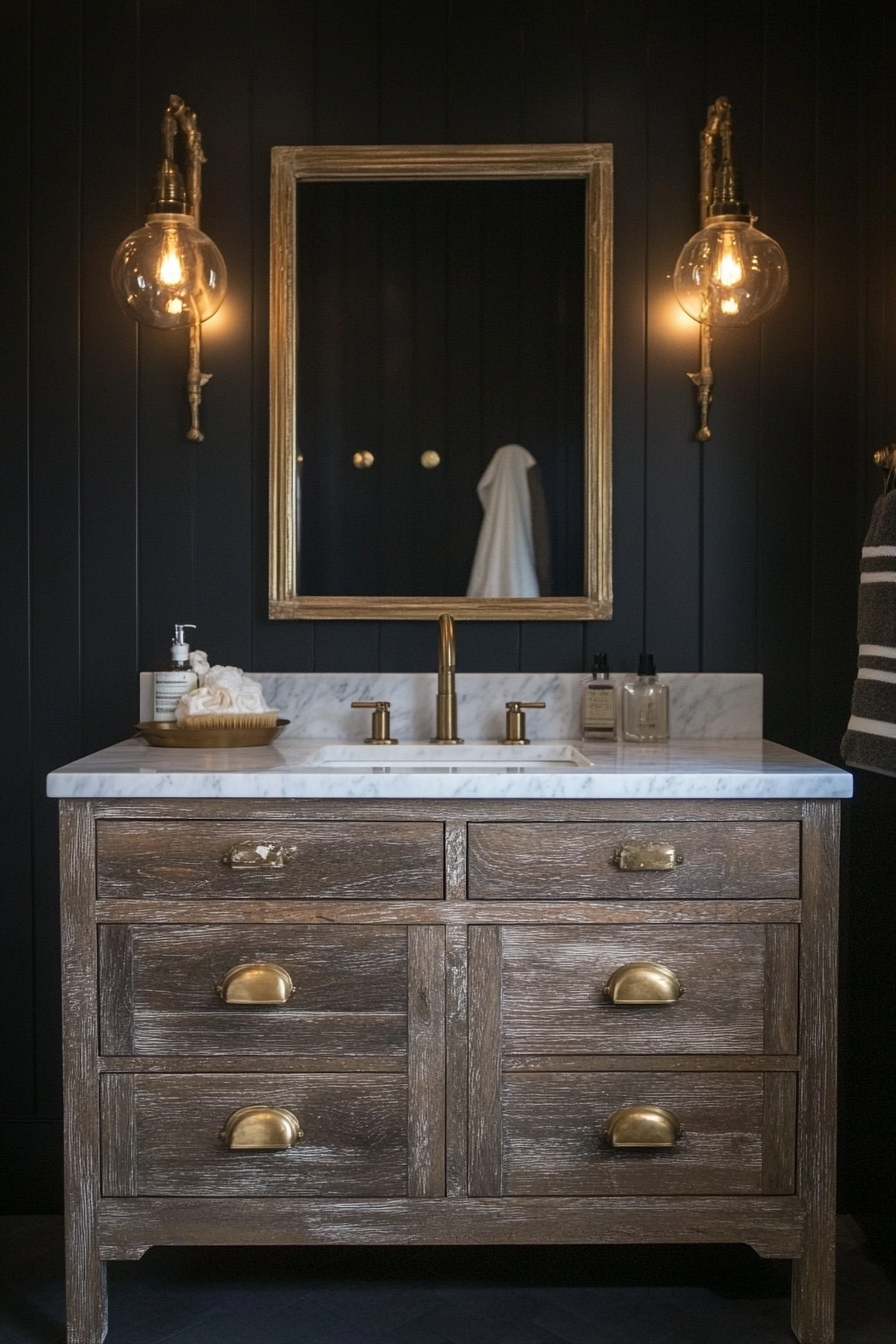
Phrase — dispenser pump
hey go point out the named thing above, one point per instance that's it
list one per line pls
(646, 665)
(180, 649)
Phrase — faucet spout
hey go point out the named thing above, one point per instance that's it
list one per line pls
(446, 698)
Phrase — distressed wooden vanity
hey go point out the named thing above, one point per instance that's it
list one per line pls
(450, 1020)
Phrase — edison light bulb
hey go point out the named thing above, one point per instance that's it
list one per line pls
(730, 274)
(169, 273)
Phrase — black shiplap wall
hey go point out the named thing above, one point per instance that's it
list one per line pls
(738, 555)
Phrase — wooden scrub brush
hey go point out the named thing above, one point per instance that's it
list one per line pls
(230, 721)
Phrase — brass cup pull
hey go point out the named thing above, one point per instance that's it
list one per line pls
(381, 723)
(638, 856)
(266, 854)
(642, 1127)
(643, 982)
(260, 1127)
(256, 982)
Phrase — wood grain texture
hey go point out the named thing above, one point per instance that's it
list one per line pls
(116, 988)
(484, 1010)
(813, 1282)
(426, 1061)
(779, 1133)
(456, 1062)
(455, 861)
(242, 1063)
(553, 998)
(658, 1063)
(782, 972)
(85, 1283)
(354, 1135)
(450, 810)
(345, 859)
(119, 1135)
(174, 911)
(552, 1141)
(566, 861)
(350, 991)
(772, 1225)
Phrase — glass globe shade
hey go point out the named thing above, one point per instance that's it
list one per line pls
(729, 274)
(169, 273)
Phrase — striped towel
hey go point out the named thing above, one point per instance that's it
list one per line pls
(870, 738)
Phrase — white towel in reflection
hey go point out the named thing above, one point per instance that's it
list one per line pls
(504, 564)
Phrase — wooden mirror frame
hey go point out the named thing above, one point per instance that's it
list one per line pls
(291, 164)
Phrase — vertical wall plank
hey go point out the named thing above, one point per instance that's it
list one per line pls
(16, 944)
(672, 481)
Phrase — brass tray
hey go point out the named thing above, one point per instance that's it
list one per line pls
(172, 735)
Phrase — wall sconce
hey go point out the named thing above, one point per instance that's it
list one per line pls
(729, 274)
(169, 273)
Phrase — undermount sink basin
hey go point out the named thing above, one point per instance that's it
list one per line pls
(468, 756)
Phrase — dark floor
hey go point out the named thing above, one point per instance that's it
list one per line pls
(466, 1295)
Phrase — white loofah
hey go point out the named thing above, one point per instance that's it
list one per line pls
(226, 690)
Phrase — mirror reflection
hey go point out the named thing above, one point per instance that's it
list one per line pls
(441, 388)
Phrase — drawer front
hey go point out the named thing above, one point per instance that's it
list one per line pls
(159, 990)
(553, 1125)
(339, 860)
(739, 985)
(570, 861)
(162, 1135)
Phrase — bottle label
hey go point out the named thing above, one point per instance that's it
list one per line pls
(600, 709)
(168, 687)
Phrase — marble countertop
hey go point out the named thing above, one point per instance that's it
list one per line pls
(684, 768)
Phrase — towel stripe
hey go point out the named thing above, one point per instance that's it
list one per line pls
(873, 674)
(876, 727)
(869, 551)
(876, 651)
(880, 576)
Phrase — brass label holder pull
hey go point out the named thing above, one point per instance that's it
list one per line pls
(642, 1127)
(256, 982)
(647, 856)
(381, 725)
(267, 854)
(515, 731)
(261, 1127)
(643, 982)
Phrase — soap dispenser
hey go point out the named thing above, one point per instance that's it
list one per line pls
(645, 705)
(599, 703)
(176, 680)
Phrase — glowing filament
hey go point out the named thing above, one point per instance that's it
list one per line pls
(729, 268)
(171, 271)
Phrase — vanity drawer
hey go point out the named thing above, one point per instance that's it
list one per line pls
(571, 861)
(161, 1135)
(737, 1134)
(739, 985)
(330, 860)
(159, 990)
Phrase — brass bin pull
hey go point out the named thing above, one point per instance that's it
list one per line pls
(642, 1127)
(256, 982)
(266, 854)
(637, 856)
(261, 1127)
(643, 982)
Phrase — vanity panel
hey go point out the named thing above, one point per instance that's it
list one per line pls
(563, 860)
(554, 1001)
(165, 1139)
(347, 860)
(552, 1134)
(159, 990)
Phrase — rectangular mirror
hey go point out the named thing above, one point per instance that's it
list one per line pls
(440, 382)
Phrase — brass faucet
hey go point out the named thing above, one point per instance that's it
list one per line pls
(446, 699)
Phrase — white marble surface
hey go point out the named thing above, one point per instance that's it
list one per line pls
(293, 768)
(318, 704)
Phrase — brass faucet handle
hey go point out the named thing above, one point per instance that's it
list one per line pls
(515, 733)
(381, 727)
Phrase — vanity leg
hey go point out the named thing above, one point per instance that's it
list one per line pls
(85, 1294)
(812, 1295)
